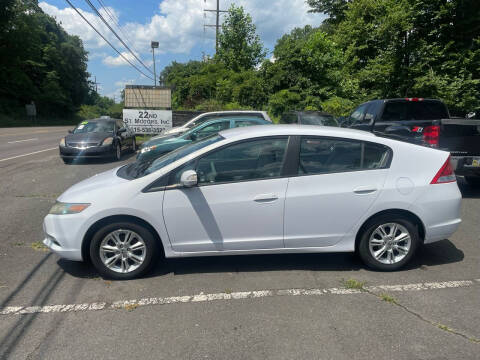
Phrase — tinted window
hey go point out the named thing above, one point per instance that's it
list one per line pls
(289, 119)
(316, 119)
(243, 123)
(249, 160)
(357, 115)
(321, 155)
(395, 111)
(210, 129)
(427, 110)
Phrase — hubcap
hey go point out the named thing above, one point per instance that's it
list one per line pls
(390, 243)
(122, 251)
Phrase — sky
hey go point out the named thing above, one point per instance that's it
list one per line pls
(178, 26)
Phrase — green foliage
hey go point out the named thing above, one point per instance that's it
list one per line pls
(39, 62)
(240, 47)
(102, 106)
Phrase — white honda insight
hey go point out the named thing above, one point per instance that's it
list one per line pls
(259, 190)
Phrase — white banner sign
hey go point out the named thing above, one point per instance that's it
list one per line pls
(148, 121)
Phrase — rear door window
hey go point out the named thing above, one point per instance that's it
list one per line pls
(326, 155)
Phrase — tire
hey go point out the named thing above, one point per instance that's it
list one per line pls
(392, 258)
(121, 264)
(473, 181)
(117, 154)
(67, 161)
(134, 145)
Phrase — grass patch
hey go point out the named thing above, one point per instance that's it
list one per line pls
(388, 298)
(140, 139)
(130, 307)
(38, 246)
(19, 244)
(228, 291)
(353, 284)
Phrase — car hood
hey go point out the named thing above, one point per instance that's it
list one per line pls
(92, 137)
(99, 185)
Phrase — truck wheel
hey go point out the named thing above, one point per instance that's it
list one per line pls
(473, 181)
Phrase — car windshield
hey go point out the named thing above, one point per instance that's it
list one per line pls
(94, 126)
(142, 168)
(316, 119)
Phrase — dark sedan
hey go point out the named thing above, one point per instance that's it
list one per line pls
(97, 138)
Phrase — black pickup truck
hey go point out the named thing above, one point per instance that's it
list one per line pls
(426, 122)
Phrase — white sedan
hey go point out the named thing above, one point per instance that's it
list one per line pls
(261, 190)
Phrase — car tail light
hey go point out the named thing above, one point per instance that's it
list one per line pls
(431, 134)
(414, 99)
(445, 174)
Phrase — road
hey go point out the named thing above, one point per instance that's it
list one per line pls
(20, 142)
(240, 307)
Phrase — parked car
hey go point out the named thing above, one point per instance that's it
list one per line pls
(308, 118)
(258, 190)
(155, 148)
(426, 122)
(200, 119)
(97, 138)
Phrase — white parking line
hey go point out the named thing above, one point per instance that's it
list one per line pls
(17, 141)
(126, 304)
(35, 152)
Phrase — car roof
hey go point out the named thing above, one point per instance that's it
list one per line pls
(101, 119)
(309, 112)
(236, 118)
(294, 129)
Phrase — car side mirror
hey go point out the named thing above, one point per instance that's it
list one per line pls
(193, 136)
(121, 130)
(189, 178)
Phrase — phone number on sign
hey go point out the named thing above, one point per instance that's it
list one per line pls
(147, 130)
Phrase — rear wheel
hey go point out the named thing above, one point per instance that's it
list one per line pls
(123, 250)
(388, 242)
(473, 181)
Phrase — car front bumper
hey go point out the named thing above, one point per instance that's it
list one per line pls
(64, 235)
(68, 152)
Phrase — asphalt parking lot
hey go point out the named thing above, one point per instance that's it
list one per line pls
(314, 306)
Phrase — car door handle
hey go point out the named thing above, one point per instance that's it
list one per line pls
(363, 190)
(262, 198)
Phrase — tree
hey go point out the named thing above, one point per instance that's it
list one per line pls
(335, 9)
(240, 47)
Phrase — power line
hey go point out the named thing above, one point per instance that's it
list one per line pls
(117, 36)
(217, 25)
(116, 21)
(108, 42)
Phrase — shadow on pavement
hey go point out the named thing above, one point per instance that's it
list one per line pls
(442, 252)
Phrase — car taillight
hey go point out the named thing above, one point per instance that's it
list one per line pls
(445, 174)
(431, 134)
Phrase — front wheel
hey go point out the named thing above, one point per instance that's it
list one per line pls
(134, 145)
(123, 250)
(117, 155)
(388, 243)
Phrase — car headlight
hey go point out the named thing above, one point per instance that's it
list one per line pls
(61, 208)
(62, 142)
(149, 148)
(107, 141)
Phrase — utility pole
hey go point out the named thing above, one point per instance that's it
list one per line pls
(96, 84)
(217, 25)
(154, 45)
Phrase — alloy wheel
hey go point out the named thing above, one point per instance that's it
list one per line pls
(122, 251)
(389, 243)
